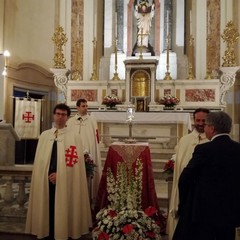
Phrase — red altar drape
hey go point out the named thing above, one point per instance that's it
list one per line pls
(119, 152)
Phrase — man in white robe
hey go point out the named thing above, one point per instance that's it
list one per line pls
(71, 211)
(85, 126)
(184, 152)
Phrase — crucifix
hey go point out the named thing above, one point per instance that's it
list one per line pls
(141, 42)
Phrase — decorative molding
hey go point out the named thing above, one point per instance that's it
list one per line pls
(61, 80)
(227, 80)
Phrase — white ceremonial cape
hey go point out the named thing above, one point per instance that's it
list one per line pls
(72, 208)
(184, 152)
(87, 129)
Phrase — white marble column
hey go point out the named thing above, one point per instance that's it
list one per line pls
(88, 34)
(180, 5)
(2, 83)
(109, 10)
(127, 85)
(1, 25)
(199, 22)
(1, 60)
(153, 85)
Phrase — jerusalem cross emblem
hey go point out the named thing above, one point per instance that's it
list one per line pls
(28, 117)
(71, 156)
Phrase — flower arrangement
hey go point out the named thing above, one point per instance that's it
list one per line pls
(169, 100)
(169, 166)
(111, 100)
(123, 218)
(89, 164)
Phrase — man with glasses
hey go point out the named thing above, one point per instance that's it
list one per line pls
(85, 126)
(209, 185)
(59, 203)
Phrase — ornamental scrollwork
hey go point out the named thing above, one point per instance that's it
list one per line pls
(61, 80)
(227, 81)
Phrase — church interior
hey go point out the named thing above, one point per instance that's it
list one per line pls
(136, 50)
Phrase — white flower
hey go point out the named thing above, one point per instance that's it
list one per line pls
(124, 195)
(105, 221)
(85, 151)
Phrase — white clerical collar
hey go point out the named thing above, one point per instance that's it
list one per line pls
(79, 117)
(218, 135)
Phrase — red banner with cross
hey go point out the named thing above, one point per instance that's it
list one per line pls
(27, 118)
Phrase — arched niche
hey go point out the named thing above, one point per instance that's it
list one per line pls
(33, 78)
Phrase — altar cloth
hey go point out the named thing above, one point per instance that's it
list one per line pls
(130, 152)
(146, 117)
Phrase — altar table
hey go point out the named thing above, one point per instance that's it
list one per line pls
(119, 152)
(147, 117)
(160, 126)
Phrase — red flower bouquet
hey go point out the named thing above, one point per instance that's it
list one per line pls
(123, 218)
(111, 100)
(169, 166)
(169, 100)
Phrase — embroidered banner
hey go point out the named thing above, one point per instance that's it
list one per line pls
(27, 118)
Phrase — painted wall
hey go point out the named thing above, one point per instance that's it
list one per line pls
(28, 28)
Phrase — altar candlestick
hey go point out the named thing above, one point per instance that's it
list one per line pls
(94, 21)
(78, 27)
(190, 22)
(167, 22)
(208, 22)
(116, 24)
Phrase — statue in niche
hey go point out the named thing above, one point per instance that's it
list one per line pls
(144, 13)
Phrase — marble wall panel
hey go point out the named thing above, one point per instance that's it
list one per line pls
(200, 95)
(89, 94)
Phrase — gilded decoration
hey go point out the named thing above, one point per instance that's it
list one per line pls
(77, 23)
(230, 36)
(59, 38)
(213, 7)
(140, 83)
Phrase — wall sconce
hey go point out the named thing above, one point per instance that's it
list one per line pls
(6, 55)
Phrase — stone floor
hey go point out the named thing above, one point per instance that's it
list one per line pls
(15, 236)
(15, 231)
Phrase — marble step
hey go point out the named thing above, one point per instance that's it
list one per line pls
(161, 187)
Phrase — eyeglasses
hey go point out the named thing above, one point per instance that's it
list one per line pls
(61, 114)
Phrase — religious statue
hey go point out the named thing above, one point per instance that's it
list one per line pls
(144, 12)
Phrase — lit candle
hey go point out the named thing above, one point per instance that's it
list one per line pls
(208, 22)
(167, 22)
(190, 22)
(78, 27)
(94, 20)
(116, 24)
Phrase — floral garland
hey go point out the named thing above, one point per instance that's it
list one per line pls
(123, 218)
(169, 100)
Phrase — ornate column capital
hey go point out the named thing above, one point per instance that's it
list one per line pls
(61, 80)
(227, 80)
